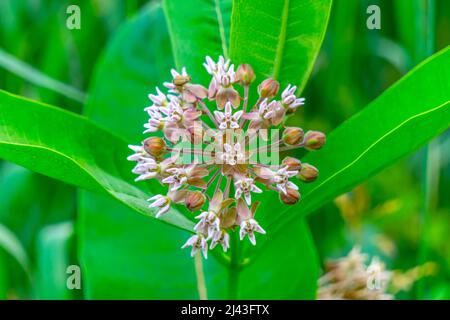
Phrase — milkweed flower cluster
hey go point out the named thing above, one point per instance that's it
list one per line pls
(214, 151)
(350, 278)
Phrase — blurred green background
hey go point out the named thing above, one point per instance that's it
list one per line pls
(39, 217)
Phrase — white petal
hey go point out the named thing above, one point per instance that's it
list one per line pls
(155, 197)
(251, 237)
(241, 233)
(234, 125)
(238, 115)
(134, 157)
(255, 189)
(228, 108)
(219, 116)
(282, 188)
(248, 198)
(163, 210)
(292, 185)
(168, 180)
(259, 229)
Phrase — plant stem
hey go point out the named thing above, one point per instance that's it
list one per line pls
(233, 279)
(424, 49)
(201, 285)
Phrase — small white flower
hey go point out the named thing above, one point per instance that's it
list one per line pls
(248, 227)
(146, 168)
(223, 73)
(159, 100)
(233, 154)
(281, 178)
(228, 120)
(139, 153)
(208, 224)
(266, 110)
(289, 99)
(221, 237)
(173, 111)
(155, 122)
(226, 77)
(175, 74)
(243, 187)
(177, 178)
(197, 242)
(161, 202)
(216, 68)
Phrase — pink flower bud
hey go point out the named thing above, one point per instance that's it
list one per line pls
(308, 173)
(292, 164)
(268, 88)
(155, 146)
(245, 74)
(291, 196)
(194, 201)
(180, 80)
(293, 136)
(314, 140)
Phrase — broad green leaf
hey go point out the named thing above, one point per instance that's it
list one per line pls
(403, 118)
(280, 39)
(198, 28)
(126, 256)
(54, 249)
(69, 147)
(288, 267)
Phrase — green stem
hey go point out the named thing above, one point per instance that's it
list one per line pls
(234, 267)
(425, 48)
(201, 284)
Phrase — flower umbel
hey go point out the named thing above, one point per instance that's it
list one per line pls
(202, 148)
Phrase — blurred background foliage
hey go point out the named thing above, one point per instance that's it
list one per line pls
(41, 59)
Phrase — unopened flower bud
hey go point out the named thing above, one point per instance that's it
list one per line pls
(293, 136)
(181, 80)
(291, 196)
(314, 140)
(292, 164)
(194, 201)
(268, 88)
(308, 173)
(245, 74)
(155, 146)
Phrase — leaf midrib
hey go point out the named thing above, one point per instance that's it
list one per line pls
(281, 40)
(221, 28)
